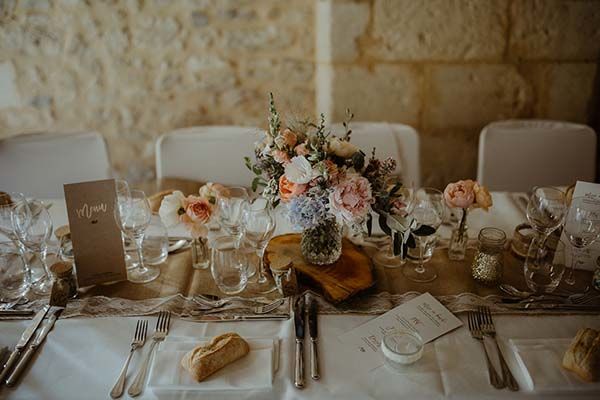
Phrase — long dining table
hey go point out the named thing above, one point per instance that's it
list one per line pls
(82, 357)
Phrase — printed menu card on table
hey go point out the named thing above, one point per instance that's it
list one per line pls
(423, 314)
(96, 238)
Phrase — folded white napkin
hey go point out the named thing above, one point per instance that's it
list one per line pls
(254, 371)
(540, 362)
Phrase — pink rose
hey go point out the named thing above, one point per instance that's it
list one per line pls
(301, 150)
(460, 194)
(198, 209)
(280, 156)
(288, 189)
(351, 198)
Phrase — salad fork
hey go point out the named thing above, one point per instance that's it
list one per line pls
(160, 333)
(139, 338)
(476, 333)
(488, 329)
(260, 309)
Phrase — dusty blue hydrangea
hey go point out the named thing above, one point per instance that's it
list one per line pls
(307, 212)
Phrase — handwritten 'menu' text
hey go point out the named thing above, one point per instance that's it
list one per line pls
(87, 211)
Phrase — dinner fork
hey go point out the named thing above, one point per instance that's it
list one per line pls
(488, 329)
(160, 333)
(260, 309)
(477, 334)
(139, 338)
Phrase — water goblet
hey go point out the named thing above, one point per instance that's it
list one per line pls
(228, 266)
(259, 225)
(155, 245)
(582, 228)
(230, 208)
(543, 274)
(14, 279)
(32, 225)
(133, 219)
(546, 210)
(428, 211)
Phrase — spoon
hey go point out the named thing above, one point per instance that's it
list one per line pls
(177, 245)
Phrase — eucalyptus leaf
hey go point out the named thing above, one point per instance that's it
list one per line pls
(255, 183)
(424, 230)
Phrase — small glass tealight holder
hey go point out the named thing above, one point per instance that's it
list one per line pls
(401, 348)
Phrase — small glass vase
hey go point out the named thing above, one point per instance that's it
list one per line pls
(322, 245)
(200, 254)
(457, 248)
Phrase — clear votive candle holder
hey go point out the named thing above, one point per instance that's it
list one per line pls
(401, 348)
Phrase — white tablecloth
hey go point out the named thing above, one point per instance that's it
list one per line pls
(82, 357)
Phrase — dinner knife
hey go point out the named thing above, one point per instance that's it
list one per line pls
(313, 332)
(14, 376)
(299, 315)
(25, 338)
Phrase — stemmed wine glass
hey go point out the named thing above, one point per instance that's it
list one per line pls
(546, 210)
(123, 195)
(32, 225)
(230, 209)
(582, 228)
(429, 210)
(259, 226)
(133, 217)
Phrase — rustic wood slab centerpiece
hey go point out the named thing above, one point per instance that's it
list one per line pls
(349, 275)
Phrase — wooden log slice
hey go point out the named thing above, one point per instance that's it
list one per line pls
(339, 281)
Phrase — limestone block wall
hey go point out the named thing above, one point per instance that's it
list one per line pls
(133, 69)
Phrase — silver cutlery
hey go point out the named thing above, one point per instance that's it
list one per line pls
(234, 318)
(139, 338)
(177, 245)
(488, 329)
(476, 333)
(9, 305)
(260, 309)
(16, 313)
(160, 333)
(211, 301)
(313, 315)
(35, 344)
(299, 314)
(23, 341)
(553, 307)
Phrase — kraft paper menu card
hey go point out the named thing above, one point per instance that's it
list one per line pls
(97, 243)
(423, 314)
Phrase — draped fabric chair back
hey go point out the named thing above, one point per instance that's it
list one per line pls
(207, 153)
(516, 155)
(39, 164)
(401, 142)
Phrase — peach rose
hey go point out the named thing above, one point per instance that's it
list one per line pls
(211, 191)
(460, 194)
(280, 156)
(290, 138)
(198, 209)
(483, 198)
(288, 189)
(301, 150)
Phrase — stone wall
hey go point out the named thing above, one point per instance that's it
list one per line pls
(133, 69)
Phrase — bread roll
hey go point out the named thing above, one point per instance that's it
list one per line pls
(203, 361)
(583, 355)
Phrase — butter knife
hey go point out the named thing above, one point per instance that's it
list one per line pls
(299, 360)
(313, 332)
(14, 377)
(25, 338)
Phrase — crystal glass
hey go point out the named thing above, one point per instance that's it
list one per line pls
(259, 225)
(228, 267)
(429, 210)
(7, 202)
(133, 219)
(230, 211)
(123, 194)
(546, 210)
(488, 262)
(33, 227)
(322, 244)
(404, 200)
(14, 279)
(401, 348)
(155, 246)
(543, 274)
(582, 228)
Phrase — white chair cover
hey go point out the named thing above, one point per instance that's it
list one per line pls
(516, 155)
(401, 142)
(207, 153)
(39, 164)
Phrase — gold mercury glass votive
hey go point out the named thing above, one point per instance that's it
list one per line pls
(488, 262)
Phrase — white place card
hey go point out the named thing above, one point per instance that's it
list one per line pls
(423, 314)
(589, 257)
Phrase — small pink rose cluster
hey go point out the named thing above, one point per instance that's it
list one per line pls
(193, 211)
(467, 194)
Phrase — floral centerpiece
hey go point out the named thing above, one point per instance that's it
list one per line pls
(325, 182)
(465, 194)
(194, 212)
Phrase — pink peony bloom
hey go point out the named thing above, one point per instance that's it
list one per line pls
(280, 156)
(351, 198)
(460, 194)
(301, 150)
